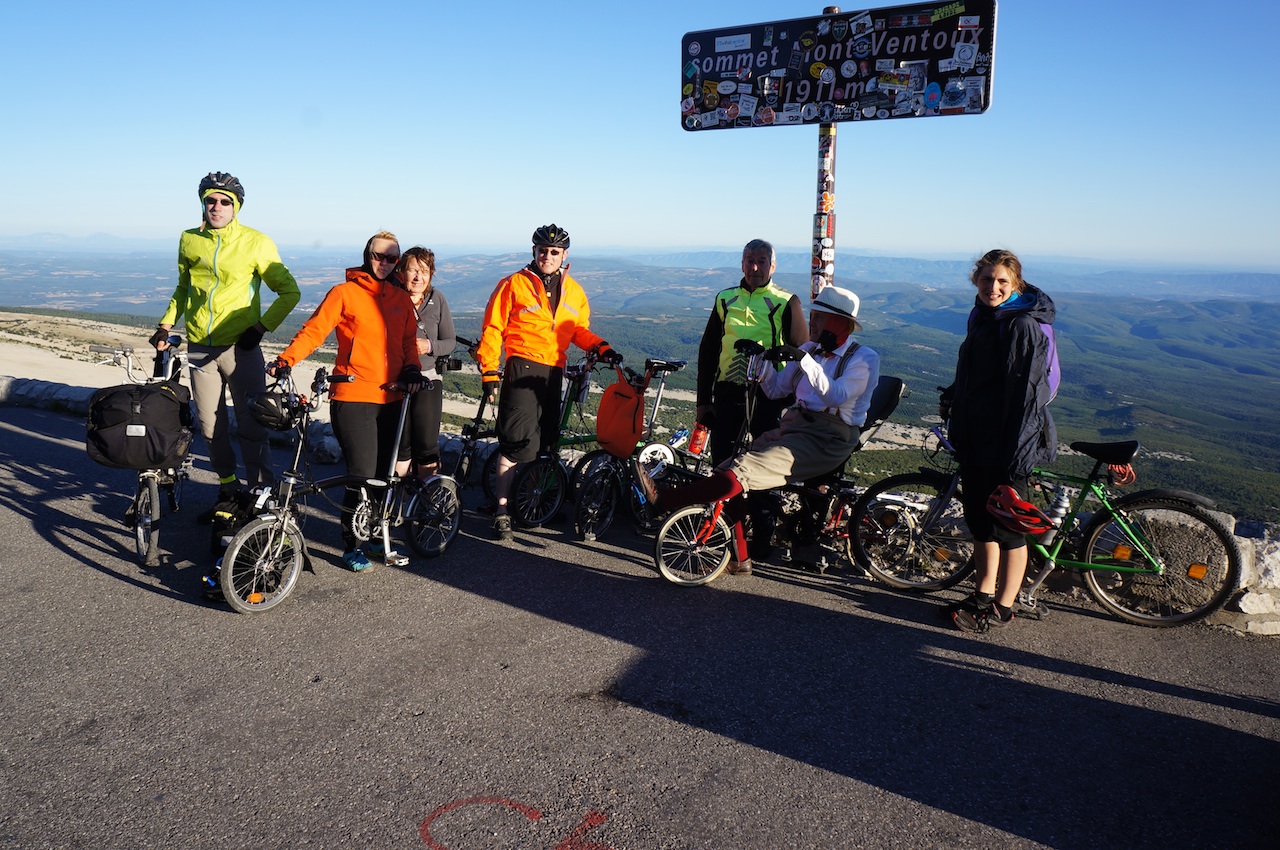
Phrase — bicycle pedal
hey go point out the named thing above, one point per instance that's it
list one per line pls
(1038, 612)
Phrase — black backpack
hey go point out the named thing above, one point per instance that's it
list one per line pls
(140, 426)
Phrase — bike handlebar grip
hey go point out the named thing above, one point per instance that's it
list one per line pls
(101, 349)
(341, 379)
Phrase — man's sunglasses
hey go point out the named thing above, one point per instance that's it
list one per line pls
(216, 202)
(384, 258)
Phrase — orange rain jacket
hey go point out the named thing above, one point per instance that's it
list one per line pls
(519, 318)
(377, 336)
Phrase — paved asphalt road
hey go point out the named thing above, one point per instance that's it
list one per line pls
(555, 695)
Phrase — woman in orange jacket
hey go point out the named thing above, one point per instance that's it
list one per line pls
(377, 346)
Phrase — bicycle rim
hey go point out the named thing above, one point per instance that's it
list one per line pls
(146, 525)
(261, 565)
(906, 537)
(586, 466)
(597, 504)
(690, 549)
(1199, 557)
(433, 516)
(538, 491)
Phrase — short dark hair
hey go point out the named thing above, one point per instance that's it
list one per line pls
(761, 245)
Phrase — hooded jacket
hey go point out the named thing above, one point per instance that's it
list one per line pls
(377, 332)
(519, 318)
(998, 415)
(220, 273)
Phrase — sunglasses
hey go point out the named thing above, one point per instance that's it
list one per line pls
(384, 258)
(217, 202)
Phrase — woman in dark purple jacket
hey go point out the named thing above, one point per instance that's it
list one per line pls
(999, 425)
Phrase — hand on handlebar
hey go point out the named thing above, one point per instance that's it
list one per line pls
(278, 368)
(748, 346)
(160, 339)
(783, 354)
(606, 355)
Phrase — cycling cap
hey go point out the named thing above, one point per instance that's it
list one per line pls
(550, 234)
(1016, 514)
(841, 302)
(274, 410)
(220, 181)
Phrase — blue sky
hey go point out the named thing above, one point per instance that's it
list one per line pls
(1129, 130)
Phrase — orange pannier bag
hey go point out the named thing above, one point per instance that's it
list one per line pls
(620, 417)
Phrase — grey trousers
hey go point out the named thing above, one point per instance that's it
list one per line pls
(805, 445)
(214, 370)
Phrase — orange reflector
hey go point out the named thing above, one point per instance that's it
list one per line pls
(889, 519)
(942, 554)
(255, 598)
(1122, 552)
(1197, 571)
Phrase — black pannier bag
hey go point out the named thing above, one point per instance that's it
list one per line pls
(140, 426)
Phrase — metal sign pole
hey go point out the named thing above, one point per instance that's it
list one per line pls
(824, 219)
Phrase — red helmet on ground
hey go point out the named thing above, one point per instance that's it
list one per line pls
(1015, 513)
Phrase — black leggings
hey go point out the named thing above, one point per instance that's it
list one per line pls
(421, 438)
(366, 432)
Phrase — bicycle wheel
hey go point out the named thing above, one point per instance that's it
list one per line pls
(146, 521)
(690, 549)
(262, 564)
(489, 476)
(902, 533)
(433, 516)
(586, 466)
(538, 491)
(1199, 558)
(651, 453)
(597, 503)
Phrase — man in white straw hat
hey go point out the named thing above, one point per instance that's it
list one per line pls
(833, 378)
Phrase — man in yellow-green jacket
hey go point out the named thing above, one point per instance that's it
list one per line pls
(221, 268)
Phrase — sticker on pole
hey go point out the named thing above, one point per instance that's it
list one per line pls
(916, 61)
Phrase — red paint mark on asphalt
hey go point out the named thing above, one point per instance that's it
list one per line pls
(574, 842)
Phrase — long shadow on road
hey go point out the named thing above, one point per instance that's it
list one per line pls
(1083, 756)
(921, 712)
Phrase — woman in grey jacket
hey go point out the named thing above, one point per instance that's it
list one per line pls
(421, 440)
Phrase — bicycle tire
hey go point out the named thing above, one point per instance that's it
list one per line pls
(587, 465)
(888, 535)
(433, 515)
(538, 491)
(146, 521)
(489, 476)
(688, 551)
(597, 504)
(1185, 538)
(262, 564)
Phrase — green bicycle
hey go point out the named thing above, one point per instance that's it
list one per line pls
(1155, 558)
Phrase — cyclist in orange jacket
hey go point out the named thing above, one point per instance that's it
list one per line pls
(533, 315)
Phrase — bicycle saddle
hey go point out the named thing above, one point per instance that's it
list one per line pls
(1108, 452)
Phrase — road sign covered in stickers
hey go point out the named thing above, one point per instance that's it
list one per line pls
(914, 61)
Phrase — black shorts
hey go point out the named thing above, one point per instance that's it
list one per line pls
(529, 409)
(977, 487)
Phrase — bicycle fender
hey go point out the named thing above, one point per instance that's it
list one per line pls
(1175, 495)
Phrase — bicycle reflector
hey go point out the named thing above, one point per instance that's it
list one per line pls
(1197, 571)
(1015, 513)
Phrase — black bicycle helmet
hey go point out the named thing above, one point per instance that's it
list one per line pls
(551, 235)
(1015, 513)
(274, 410)
(223, 182)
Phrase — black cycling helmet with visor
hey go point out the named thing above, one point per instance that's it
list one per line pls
(550, 235)
(221, 182)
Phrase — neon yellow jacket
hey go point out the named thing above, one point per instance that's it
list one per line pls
(220, 273)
